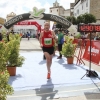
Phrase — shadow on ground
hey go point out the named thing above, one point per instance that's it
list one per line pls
(46, 93)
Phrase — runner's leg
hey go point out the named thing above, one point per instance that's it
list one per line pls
(48, 58)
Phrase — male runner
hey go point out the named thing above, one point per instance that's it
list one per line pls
(47, 43)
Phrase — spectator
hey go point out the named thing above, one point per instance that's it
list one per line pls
(0, 37)
(60, 43)
(28, 35)
(7, 36)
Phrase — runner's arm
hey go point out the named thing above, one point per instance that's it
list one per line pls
(40, 38)
(54, 36)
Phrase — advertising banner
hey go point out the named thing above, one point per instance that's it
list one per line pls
(95, 52)
(37, 14)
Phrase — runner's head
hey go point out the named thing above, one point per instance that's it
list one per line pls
(46, 26)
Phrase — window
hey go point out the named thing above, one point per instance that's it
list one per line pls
(77, 11)
(57, 10)
(51, 11)
(86, 3)
(74, 14)
(82, 7)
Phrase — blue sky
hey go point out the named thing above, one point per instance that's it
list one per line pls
(24, 6)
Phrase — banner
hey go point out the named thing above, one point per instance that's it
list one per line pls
(37, 14)
(26, 22)
(95, 52)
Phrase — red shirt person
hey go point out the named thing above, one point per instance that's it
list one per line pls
(47, 43)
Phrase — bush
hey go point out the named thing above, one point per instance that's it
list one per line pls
(68, 48)
(5, 88)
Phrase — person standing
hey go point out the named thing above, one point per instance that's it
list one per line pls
(60, 43)
(47, 44)
(28, 35)
(0, 37)
(8, 36)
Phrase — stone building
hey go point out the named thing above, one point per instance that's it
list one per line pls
(10, 16)
(87, 6)
(72, 9)
(59, 10)
(2, 21)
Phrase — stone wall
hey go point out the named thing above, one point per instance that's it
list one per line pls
(95, 8)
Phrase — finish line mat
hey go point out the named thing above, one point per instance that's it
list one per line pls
(33, 73)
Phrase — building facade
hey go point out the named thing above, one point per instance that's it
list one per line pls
(59, 10)
(72, 9)
(2, 21)
(87, 6)
(81, 7)
(10, 16)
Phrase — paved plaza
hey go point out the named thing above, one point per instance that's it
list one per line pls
(78, 92)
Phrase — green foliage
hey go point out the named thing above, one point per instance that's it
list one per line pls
(59, 26)
(14, 58)
(5, 88)
(89, 18)
(69, 18)
(80, 19)
(72, 19)
(78, 36)
(68, 48)
(86, 18)
(14, 36)
(4, 37)
(9, 56)
(4, 55)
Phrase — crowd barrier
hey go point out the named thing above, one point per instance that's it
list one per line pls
(84, 51)
(80, 46)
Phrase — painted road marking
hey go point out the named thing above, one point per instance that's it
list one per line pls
(52, 93)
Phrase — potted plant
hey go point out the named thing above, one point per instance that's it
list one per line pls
(5, 88)
(14, 59)
(68, 49)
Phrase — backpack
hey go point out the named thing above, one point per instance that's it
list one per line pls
(62, 40)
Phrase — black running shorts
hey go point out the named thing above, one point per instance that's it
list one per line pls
(60, 47)
(49, 50)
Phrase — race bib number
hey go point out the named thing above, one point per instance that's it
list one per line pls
(48, 41)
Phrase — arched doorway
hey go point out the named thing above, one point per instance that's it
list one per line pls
(37, 14)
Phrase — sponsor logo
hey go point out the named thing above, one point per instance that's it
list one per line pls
(14, 20)
(37, 13)
(24, 23)
(93, 50)
(58, 19)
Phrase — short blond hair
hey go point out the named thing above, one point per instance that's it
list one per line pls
(47, 23)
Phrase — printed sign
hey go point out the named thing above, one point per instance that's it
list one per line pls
(48, 41)
(37, 14)
(95, 52)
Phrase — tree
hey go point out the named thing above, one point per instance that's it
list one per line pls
(72, 19)
(80, 19)
(86, 18)
(59, 26)
(89, 18)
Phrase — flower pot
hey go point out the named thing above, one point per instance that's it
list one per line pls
(70, 60)
(11, 71)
